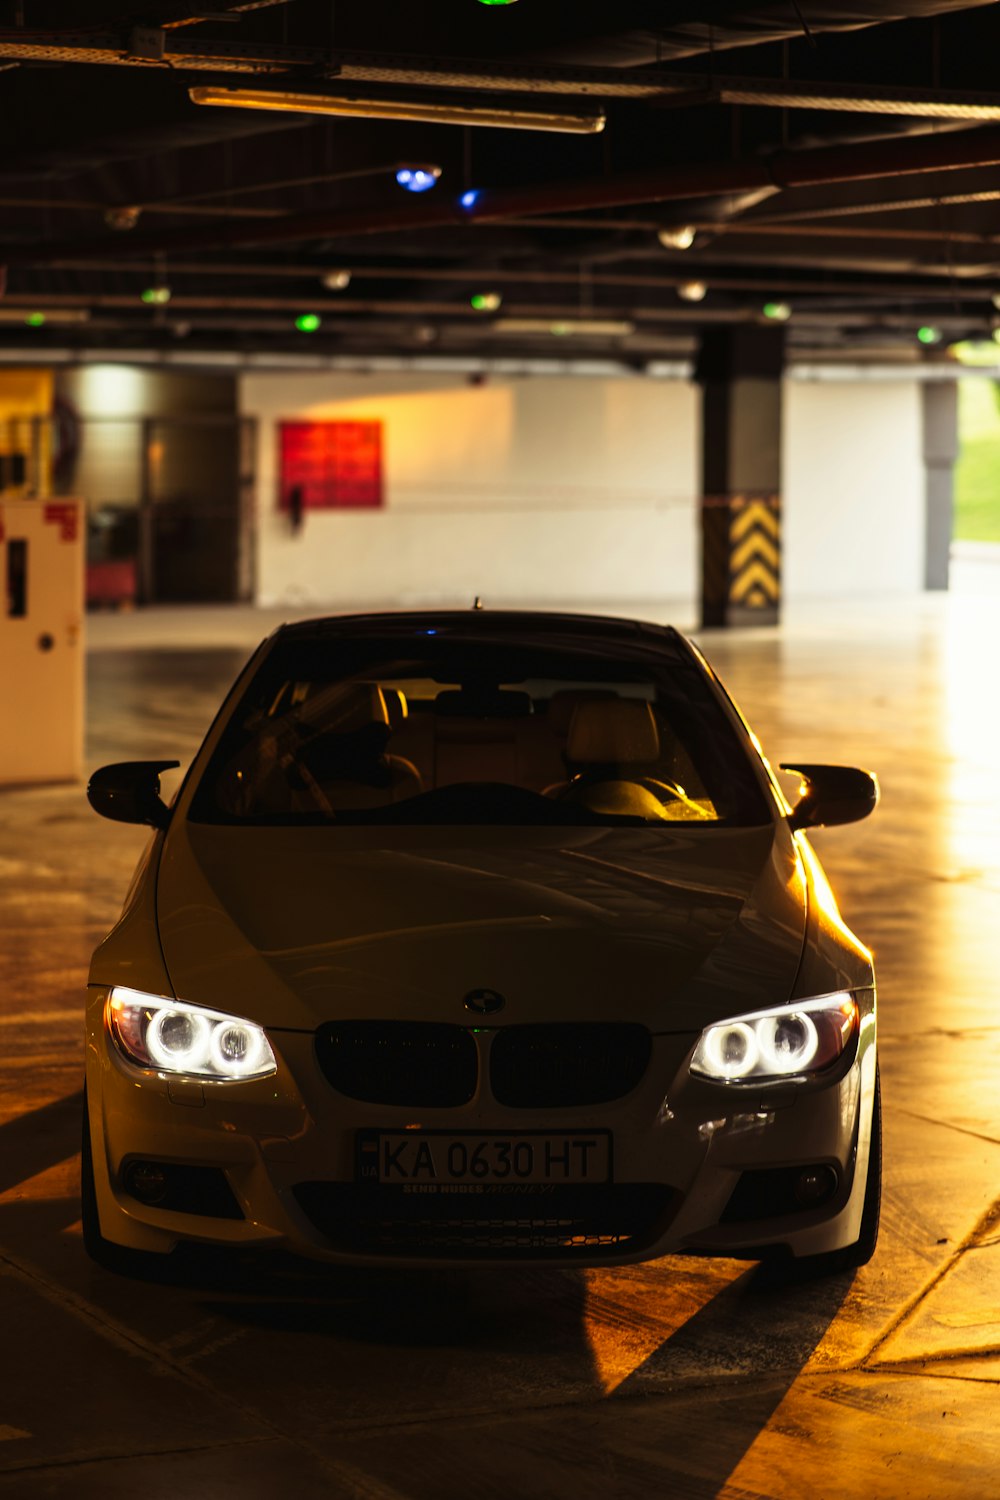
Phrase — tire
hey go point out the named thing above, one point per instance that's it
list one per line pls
(851, 1257)
(105, 1253)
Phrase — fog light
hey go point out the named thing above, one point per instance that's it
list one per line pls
(146, 1181)
(814, 1185)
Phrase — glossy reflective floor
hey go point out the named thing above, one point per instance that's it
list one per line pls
(677, 1379)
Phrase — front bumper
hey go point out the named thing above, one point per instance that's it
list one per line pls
(285, 1148)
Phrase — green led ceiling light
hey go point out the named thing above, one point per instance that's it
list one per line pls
(307, 322)
(485, 301)
(156, 296)
(777, 312)
(928, 335)
(35, 320)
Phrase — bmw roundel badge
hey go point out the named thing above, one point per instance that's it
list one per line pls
(484, 1002)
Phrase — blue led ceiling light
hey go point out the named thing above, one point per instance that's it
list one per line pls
(417, 179)
(471, 198)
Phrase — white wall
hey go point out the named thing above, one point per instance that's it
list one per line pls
(585, 489)
(852, 488)
(521, 489)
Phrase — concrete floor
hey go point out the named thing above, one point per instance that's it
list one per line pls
(681, 1378)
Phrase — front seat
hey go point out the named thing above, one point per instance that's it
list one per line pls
(612, 753)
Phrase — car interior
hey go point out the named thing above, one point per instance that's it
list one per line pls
(355, 745)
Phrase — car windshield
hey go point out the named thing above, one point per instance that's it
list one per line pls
(434, 730)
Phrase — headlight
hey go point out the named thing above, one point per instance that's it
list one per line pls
(177, 1038)
(791, 1040)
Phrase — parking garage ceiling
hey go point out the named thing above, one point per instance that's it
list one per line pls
(599, 181)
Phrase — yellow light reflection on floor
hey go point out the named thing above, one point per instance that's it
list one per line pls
(630, 1312)
(55, 1183)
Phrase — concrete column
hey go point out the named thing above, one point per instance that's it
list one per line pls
(739, 370)
(940, 414)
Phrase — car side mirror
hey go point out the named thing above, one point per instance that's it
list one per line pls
(832, 794)
(129, 792)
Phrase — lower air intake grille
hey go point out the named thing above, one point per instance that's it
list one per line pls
(548, 1223)
(565, 1065)
(399, 1062)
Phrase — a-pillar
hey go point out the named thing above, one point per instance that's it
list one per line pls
(940, 409)
(739, 370)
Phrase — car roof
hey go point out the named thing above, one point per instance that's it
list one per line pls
(475, 623)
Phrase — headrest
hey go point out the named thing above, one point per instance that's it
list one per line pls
(617, 732)
(346, 707)
(559, 714)
(482, 703)
(396, 706)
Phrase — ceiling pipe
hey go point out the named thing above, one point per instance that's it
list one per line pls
(784, 169)
(898, 288)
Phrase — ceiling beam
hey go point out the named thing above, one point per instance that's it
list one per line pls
(783, 169)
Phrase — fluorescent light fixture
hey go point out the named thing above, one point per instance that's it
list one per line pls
(977, 351)
(565, 327)
(692, 291)
(681, 238)
(37, 317)
(566, 122)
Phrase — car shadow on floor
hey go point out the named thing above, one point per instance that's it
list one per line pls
(629, 1380)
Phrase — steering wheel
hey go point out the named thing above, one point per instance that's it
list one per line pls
(663, 791)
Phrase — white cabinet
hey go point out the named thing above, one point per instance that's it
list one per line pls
(41, 639)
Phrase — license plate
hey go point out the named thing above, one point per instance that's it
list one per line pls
(435, 1157)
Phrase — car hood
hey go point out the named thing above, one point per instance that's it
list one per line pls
(292, 927)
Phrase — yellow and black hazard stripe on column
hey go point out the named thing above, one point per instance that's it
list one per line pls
(755, 556)
(741, 559)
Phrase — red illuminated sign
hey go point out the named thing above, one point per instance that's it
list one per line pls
(334, 465)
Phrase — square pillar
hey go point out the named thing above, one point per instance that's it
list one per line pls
(940, 446)
(739, 370)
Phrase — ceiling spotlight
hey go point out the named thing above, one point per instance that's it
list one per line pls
(156, 296)
(307, 322)
(417, 179)
(336, 281)
(123, 216)
(427, 111)
(681, 238)
(929, 335)
(777, 312)
(692, 291)
(486, 301)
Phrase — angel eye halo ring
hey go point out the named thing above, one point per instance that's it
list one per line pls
(174, 1037)
(788, 1041)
